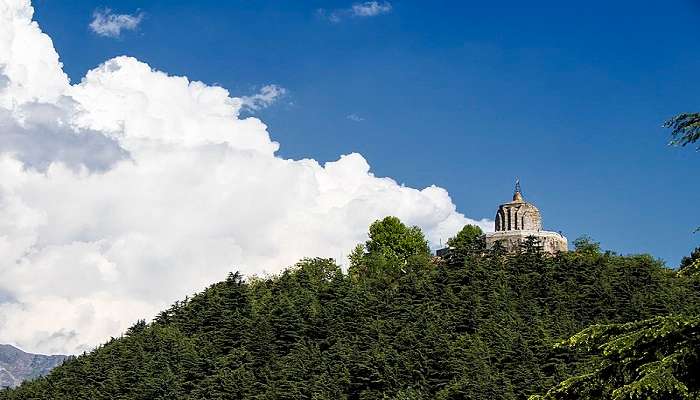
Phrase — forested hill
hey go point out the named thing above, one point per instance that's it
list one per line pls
(399, 324)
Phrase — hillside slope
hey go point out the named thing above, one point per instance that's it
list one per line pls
(398, 325)
(17, 366)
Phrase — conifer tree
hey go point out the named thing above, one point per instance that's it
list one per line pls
(658, 358)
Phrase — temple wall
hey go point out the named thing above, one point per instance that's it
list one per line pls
(552, 242)
(518, 216)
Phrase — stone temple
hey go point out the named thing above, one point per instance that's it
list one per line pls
(516, 221)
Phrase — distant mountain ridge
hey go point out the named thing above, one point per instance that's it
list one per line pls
(17, 365)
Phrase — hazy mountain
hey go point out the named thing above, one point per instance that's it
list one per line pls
(16, 365)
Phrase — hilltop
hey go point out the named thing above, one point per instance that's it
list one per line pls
(399, 324)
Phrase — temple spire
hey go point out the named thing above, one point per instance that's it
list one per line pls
(517, 194)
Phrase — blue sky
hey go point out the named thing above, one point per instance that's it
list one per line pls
(463, 95)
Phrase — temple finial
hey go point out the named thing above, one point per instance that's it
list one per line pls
(517, 195)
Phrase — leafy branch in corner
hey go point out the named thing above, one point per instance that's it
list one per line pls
(685, 129)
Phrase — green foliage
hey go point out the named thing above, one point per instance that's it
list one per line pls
(585, 244)
(392, 247)
(395, 241)
(689, 260)
(467, 240)
(403, 327)
(685, 128)
(658, 358)
(691, 272)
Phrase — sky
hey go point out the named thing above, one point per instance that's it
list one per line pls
(173, 141)
(464, 95)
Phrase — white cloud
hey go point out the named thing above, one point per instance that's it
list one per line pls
(360, 10)
(264, 98)
(354, 117)
(370, 8)
(105, 23)
(144, 187)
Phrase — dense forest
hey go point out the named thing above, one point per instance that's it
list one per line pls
(402, 324)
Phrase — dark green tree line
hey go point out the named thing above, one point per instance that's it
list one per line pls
(400, 324)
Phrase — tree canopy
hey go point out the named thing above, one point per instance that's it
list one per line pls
(392, 239)
(408, 326)
(468, 239)
(654, 359)
(690, 259)
(391, 247)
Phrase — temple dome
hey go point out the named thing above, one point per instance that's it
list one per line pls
(518, 215)
(518, 221)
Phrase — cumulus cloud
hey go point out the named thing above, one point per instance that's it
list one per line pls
(362, 10)
(264, 98)
(145, 187)
(43, 136)
(105, 23)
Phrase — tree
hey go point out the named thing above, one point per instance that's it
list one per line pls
(467, 240)
(585, 244)
(692, 271)
(390, 243)
(391, 238)
(685, 128)
(652, 359)
(688, 260)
